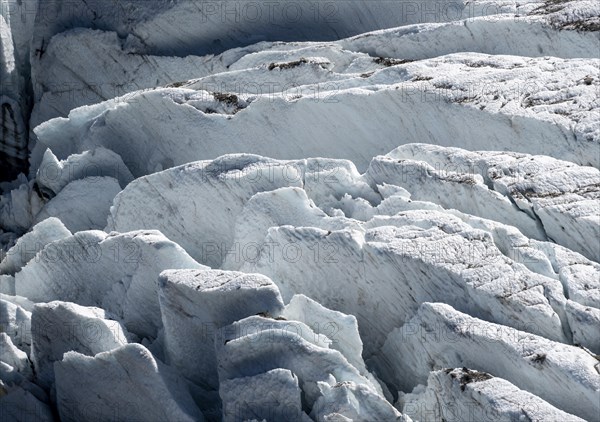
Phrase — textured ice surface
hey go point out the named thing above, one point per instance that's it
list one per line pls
(31, 243)
(463, 393)
(283, 211)
(60, 327)
(196, 304)
(125, 384)
(118, 272)
(440, 337)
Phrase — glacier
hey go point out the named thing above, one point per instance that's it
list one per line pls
(300, 211)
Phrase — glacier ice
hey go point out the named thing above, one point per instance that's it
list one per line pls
(545, 198)
(21, 399)
(126, 383)
(16, 323)
(197, 191)
(414, 91)
(354, 402)
(272, 395)
(441, 337)
(367, 211)
(53, 175)
(28, 245)
(462, 393)
(249, 348)
(196, 304)
(82, 204)
(127, 267)
(60, 327)
(14, 357)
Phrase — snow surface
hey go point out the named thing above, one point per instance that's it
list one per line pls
(89, 387)
(502, 94)
(196, 304)
(462, 393)
(127, 267)
(59, 327)
(544, 198)
(28, 245)
(441, 337)
(327, 211)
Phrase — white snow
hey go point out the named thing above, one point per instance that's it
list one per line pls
(341, 329)
(355, 402)
(14, 357)
(123, 384)
(117, 272)
(441, 337)
(16, 323)
(60, 327)
(53, 175)
(356, 272)
(66, 74)
(464, 394)
(273, 395)
(31, 243)
(323, 119)
(543, 197)
(247, 352)
(166, 200)
(299, 211)
(196, 304)
(83, 204)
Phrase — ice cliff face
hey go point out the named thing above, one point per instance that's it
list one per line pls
(284, 211)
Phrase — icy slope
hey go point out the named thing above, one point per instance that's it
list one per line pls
(201, 27)
(66, 75)
(456, 95)
(62, 270)
(545, 198)
(287, 218)
(379, 266)
(565, 376)
(115, 385)
(375, 254)
(464, 393)
(174, 28)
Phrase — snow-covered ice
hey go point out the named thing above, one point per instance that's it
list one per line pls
(273, 395)
(28, 245)
(196, 304)
(441, 337)
(166, 200)
(425, 96)
(60, 327)
(14, 357)
(16, 323)
(117, 272)
(127, 383)
(82, 204)
(543, 197)
(299, 211)
(462, 393)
